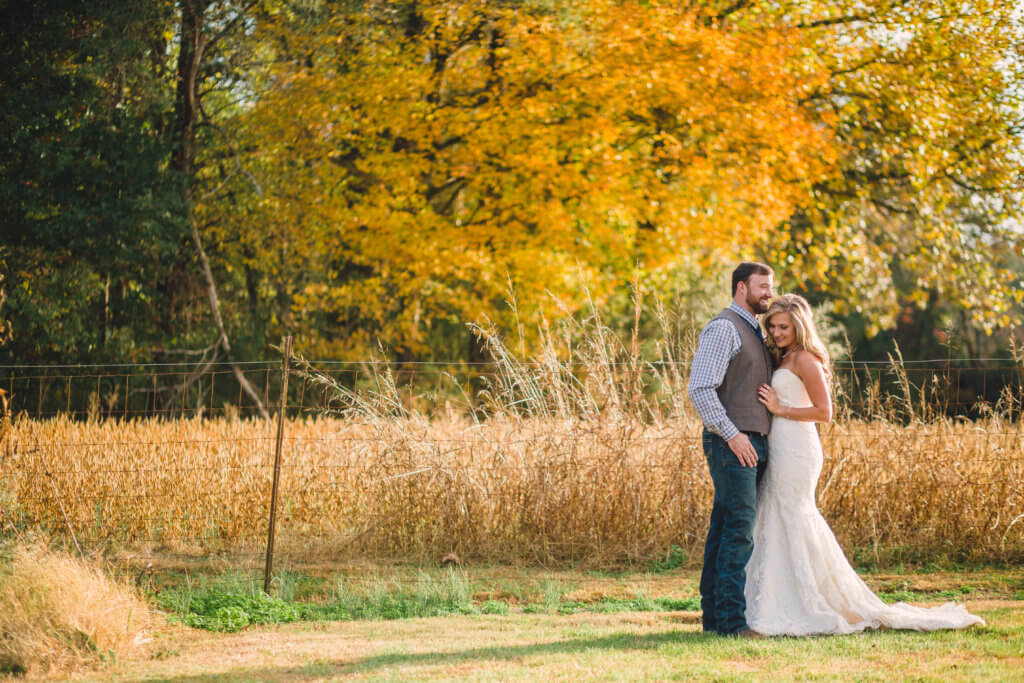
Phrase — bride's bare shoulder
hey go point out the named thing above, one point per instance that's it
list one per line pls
(807, 365)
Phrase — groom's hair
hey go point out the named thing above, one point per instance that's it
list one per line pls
(745, 270)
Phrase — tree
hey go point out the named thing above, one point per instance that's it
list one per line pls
(204, 25)
(209, 174)
(415, 157)
(926, 111)
(104, 111)
(86, 204)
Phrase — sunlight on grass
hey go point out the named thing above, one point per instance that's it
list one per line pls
(500, 623)
(662, 651)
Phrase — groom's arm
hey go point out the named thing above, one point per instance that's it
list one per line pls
(718, 345)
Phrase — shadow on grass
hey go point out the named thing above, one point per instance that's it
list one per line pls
(328, 668)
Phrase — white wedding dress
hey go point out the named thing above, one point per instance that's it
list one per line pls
(798, 579)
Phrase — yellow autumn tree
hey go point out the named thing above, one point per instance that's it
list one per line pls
(413, 159)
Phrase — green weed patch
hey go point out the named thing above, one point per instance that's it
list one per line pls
(233, 605)
(233, 601)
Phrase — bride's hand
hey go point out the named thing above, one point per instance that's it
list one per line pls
(767, 396)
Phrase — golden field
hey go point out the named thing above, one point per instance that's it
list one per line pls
(600, 490)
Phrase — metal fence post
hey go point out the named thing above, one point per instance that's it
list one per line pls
(277, 464)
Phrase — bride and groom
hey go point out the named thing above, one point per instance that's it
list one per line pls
(771, 563)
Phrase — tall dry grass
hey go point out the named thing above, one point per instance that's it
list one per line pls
(60, 613)
(585, 453)
(533, 490)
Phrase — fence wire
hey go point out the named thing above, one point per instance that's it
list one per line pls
(92, 410)
(127, 391)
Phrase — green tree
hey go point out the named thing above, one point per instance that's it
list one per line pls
(926, 106)
(88, 206)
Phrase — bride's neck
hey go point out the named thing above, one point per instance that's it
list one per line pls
(788, 350)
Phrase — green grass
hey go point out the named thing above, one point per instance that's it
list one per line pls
(232, 602)
(675, 558)
(218, 607)
(926, 596)
(235, 600)
(515, 623)
(615, 605)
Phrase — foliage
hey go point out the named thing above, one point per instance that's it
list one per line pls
(927, 113)
(376, 174)
(228, 606)
(231, 603)
(87, 202)
(417, 157)
(673, 559)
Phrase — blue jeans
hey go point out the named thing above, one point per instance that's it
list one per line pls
(730, 534)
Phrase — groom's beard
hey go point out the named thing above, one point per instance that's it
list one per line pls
(759, 305)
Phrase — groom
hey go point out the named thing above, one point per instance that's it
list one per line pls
(730, 364)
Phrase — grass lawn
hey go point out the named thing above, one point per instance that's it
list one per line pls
(623, 646)
(532, 624)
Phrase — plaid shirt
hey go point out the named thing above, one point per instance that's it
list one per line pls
(718, 345)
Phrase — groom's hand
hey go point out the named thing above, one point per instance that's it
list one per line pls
(744, 450)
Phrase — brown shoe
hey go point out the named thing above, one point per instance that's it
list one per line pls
(749, 633)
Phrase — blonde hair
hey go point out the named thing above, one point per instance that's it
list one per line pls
(805, 333)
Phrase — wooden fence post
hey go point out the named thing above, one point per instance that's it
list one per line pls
(277, 464)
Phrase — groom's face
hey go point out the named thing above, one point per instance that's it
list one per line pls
(759, 292)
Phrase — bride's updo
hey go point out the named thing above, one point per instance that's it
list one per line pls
(804, 331)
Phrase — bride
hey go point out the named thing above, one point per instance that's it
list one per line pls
(798, 579)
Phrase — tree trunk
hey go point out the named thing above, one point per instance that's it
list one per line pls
(193, 45)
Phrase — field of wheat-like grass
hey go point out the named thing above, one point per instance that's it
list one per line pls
(600, 491)
(584, 453)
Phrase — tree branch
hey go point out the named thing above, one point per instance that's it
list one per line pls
(849, 19)
(211, 292)
(193, 46)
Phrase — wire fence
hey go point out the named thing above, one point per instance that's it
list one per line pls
(87, 465)
(951, 386)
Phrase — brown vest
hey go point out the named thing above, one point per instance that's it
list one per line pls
(751, 368)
